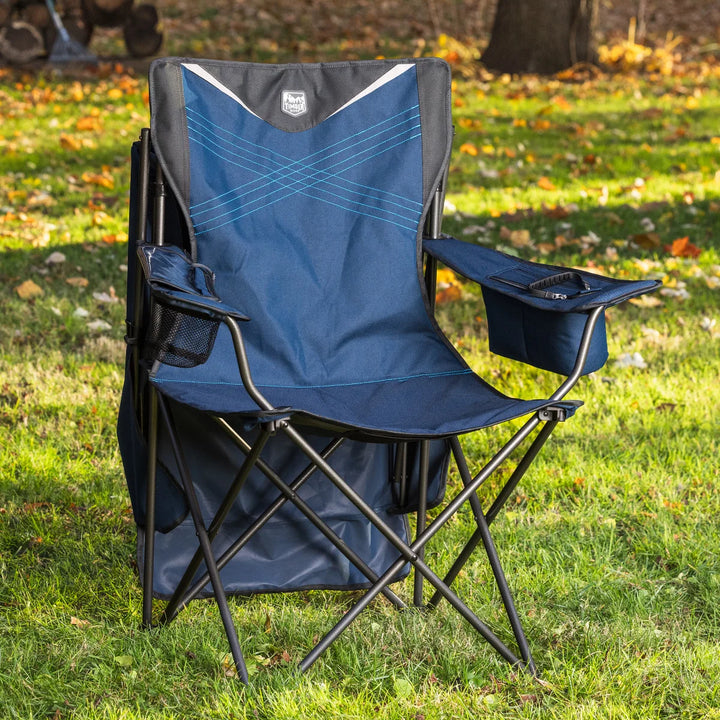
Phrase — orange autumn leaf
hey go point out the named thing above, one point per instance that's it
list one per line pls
(541, 124)
(113, 238)
(68, 142)
(99, 218)
(448, 294)
(682, 247)
(469, 149)
(546, 183)
(102, 179)
(28, 290)
(88, 123)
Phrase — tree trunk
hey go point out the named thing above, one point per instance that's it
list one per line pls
(107, 13)
(541, 36)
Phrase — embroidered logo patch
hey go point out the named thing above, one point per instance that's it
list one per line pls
(294, 103)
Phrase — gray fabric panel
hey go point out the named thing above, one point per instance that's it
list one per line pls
(434, 84)
(327, 87)
(168, 128)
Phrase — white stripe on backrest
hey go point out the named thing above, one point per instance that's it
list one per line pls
(382, 80)
(200, 72)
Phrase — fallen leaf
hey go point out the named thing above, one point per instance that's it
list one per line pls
(682, 247)
(104, 297)
(123, 660)
(79, 623)
(113, 238)
(546, 183)
(631, 360)
(88, 123)
(448, 294)
(77, 281)
(101, 179)
(556, 212)
(646, 240)
(520, 238)
(469, 149)
(99, 326)
(29, 290)
(68, 142)
(708, 324)
(15, 196)
(446, 276)
(541, 124)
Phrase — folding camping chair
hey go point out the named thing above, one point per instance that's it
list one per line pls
(289, 396)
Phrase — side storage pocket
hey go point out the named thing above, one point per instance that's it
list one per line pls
(546, 339)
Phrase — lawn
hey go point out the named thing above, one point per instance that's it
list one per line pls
(611, 542)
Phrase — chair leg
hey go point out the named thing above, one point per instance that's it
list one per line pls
(206, 547)
(446, 592)
(149, 548)
(499, 502)
(421, 521)
(506, 596)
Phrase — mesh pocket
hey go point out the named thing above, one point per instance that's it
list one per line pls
(177, 338)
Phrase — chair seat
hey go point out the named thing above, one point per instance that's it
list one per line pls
(425, 406)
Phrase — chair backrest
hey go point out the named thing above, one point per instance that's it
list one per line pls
(305, 188)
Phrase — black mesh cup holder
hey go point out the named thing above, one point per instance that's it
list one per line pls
(177, 338)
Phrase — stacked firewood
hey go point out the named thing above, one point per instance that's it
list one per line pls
(27, 31)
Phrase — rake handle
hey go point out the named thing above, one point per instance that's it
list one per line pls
(57, 21)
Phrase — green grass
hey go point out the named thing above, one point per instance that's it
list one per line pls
(611, 542)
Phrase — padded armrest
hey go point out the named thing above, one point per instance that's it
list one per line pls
(576, 290)
(537, 313)
(186, 286)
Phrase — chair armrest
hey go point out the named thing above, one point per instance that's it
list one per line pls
(537, 313)
(177, 282)
(546, 287)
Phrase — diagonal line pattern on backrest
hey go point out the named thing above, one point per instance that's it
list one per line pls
(281, 177)
(288, 162)
(281, 169)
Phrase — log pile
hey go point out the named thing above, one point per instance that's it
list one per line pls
(27, 31)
